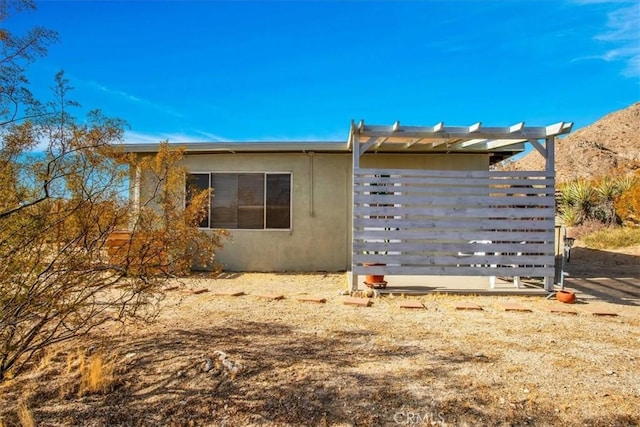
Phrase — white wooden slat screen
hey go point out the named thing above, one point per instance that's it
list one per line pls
(459, 223)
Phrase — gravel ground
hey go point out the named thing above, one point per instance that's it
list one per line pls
(305, 363)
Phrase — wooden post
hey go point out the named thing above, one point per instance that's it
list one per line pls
(550, 169)
(135, 178)
(353, 276)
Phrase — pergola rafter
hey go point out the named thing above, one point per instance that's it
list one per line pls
(453, 222)
(441, 138)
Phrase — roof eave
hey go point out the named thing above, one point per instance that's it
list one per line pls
(242, 147)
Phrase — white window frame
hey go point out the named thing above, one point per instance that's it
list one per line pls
(264, 219)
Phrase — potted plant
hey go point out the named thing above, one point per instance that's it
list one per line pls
(376, 281)
(567, 297)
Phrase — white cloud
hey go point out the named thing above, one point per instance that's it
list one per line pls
(306, 138)
(622, 34)
(132, 98)
(601, 1)
(147, 138)
(131, 137)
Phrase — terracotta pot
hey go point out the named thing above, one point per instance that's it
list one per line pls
(566, 297)
(373, 278)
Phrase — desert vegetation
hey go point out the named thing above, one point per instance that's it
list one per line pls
(77, 346)
(64, 187)
(211, 359)
(605, 211)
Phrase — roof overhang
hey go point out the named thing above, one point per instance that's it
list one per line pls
(499, 142)
(243, 147)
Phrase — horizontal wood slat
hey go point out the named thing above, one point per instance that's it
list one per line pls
(452, 247)
(479, 223)
(463, 223)
(479, 258)
(452, 181)
(361, 211)
(464, 200)
(476, 189)
(493, 236)
(457, 271)
(451, 173)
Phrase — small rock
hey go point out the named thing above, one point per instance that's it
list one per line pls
(611, 372)
(208, 364)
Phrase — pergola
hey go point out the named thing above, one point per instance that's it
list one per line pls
(454, 222)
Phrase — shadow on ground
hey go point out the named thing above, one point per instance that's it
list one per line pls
(288, 378)
(610, 276)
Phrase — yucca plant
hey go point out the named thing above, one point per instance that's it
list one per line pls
(626, 182)
(577, 201)
(570, 216)
(606, 192)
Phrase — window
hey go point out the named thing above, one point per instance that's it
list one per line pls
(246, 200)
(196, 183)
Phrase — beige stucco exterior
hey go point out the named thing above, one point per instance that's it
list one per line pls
(325, 202)
(319, 239)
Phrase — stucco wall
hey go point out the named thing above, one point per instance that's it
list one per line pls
(426, 161)
(321, 198)
(318, 238)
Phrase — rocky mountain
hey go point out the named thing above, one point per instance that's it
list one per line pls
(611, 143)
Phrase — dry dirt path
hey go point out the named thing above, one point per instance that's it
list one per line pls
(610, 275)
(327, 363)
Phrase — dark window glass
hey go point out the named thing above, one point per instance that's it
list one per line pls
(278, 201)
(196, 183)
(224, 203)
(248, 200)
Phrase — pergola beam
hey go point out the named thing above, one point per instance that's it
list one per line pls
(370, 143)
(473, 138)
(501, 143)
(539, 147)
(439, 131)
(516, 128)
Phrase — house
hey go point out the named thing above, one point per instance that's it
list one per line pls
(408, 199)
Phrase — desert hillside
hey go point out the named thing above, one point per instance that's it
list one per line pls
(595, 150)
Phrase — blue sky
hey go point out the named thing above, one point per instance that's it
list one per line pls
(301, 70)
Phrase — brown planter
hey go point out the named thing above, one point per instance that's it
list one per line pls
(566, 297)
(117, 245)
(123, 249)
(372, 280)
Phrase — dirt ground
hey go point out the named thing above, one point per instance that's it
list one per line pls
(611, 275)
(329, 364)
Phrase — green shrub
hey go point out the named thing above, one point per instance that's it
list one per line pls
(577, 202)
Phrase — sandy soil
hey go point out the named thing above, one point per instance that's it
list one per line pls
(611, 275)
(304, 363)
